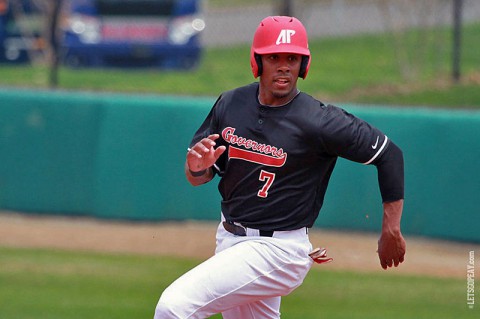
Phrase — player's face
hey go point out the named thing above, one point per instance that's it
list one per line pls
(278, 82)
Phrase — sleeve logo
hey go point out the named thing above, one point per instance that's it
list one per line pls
(374, 146)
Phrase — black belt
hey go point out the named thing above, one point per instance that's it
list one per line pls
(241, 231)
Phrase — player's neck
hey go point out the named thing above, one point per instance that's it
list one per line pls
(277, 101)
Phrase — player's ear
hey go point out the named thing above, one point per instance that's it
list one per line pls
(258, 60)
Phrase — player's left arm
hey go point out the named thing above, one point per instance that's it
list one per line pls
(391, 245)
(349, 137)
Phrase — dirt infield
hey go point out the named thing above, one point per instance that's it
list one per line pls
(351, 251)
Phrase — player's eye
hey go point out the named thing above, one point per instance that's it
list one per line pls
(292, 58)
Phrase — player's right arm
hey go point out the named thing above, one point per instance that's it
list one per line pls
(200, 159)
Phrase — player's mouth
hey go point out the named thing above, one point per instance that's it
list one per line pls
(282, 82)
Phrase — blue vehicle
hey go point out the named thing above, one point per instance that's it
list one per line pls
(21, 23)
(132, 33)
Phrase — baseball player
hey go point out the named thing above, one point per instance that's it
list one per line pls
(274, 149)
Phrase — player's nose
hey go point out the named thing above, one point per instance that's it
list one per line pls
(283, 68)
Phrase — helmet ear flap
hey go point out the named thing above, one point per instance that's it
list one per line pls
(258, 60)
(304, 66)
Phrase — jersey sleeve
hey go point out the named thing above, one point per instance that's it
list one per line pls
(390, 169)
(208, 127)
(344, 135)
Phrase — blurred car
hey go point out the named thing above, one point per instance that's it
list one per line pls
(21, 23)
(132, 33)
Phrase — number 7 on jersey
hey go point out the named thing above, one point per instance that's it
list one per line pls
(268, 178)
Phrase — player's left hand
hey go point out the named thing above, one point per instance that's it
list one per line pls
(391, 249)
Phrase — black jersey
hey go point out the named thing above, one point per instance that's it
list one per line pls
(275, 171)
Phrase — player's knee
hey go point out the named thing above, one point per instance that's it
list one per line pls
(168, 308)
(165, 311)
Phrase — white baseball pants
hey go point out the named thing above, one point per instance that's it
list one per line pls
(245, 279)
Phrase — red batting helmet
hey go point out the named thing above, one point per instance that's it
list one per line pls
(279, 34)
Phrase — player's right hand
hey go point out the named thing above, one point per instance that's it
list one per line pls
(204, 154)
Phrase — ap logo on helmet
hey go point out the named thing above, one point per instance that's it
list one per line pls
(285, 36)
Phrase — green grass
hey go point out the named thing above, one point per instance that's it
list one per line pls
(348, 69)
(456, 96)
(54, 284)
(60, 284)
(352, 295)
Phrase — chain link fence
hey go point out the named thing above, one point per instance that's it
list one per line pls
(407, 23)
(233, 22)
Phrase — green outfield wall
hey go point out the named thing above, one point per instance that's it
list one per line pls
(121, 157)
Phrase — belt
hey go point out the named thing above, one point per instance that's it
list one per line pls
(241, 231)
